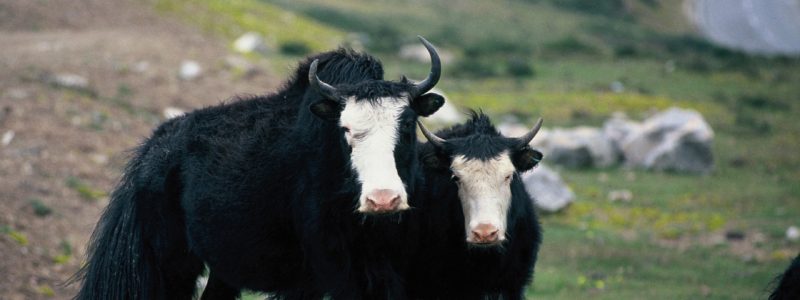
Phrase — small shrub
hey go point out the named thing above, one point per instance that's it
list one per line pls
(520, 67)
(763, 102)
(39, 208)
(295, 48)
(475, 68)
(570, 45)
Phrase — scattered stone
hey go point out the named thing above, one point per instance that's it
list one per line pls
(417, 52)
(617, 87)
(7, 138)
(579, 147)
(242, 66)
(793, 233)
(141, 66)
(172, 112)
(548, 190)
(620, 195)
(250, 42)
(190, 70)
(100, 159)
(67, 80)
(673, 140)
(448, 114)
(17, 93)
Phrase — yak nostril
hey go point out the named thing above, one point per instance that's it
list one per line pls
(383, 200)
(485, 233)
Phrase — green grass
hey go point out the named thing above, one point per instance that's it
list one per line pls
(658, 246)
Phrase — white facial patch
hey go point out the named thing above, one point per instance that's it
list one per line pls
(484, 188)
(373, 127)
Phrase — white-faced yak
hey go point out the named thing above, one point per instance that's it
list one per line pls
(301, 193)
(788, 287)
(482, 235)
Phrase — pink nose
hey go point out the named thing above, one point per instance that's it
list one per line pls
(485, 234)
(383, 201)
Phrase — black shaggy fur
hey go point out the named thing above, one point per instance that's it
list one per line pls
(261, 191)
(789, 283)
(450, 268)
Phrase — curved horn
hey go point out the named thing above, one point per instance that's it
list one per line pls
(526, 139)
(323, 88)
(436, 71)
(435, 140)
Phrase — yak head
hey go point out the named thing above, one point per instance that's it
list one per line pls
(377, 121)
(482, 164)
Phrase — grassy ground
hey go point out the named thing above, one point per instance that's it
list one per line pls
(718, 236)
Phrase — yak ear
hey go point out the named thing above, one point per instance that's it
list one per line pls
(326, 109)
(434, 159)
(427, 104)
(526, 158)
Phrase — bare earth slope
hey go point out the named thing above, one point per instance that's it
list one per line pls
(69, 145)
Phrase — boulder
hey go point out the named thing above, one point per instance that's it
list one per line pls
(580, 147)
(189, 70)
(547, 189)
(618, 128)
(673, 140)
(172, 112)
(417, 52)
(793, 233)
(448, 114)
(250, 42)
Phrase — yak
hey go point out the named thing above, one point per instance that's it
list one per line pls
(482, 232)
(788, 284)
(301, 193)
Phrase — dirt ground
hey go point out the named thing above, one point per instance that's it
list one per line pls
(63, 148)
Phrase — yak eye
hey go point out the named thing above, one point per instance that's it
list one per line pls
(346, 129)
(455, 178)
(508, 178)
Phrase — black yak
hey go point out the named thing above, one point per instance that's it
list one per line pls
(482, 233)
(788, 283)
(291, 193)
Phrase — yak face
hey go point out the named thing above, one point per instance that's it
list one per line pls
(380, 138)
(483, 165)
(484, 188)
(376, 119)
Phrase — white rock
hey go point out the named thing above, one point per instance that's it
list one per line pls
(250, 42)
(793, 233)
(448, 114)
(618, 128)
(579, 147)
(548, 190)
(141, 66)
(67, 80)
(673, 140)
(620, 195)
(617, 87)
(172, 112)
(190, 70)
(417, 52)
(513, 129)
(7, 138)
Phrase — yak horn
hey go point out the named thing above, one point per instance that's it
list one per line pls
(432, 138)
(436, 71)
(320, 86)
(526, 139)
